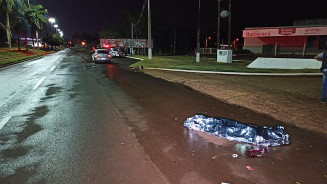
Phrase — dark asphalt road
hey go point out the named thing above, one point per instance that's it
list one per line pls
(70, 121)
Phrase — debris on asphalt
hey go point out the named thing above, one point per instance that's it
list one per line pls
(249, 168)
(233, 130)
(135, 69)
(256, 153)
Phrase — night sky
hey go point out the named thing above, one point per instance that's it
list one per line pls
(89, 15)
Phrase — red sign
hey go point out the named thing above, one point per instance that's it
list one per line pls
(287, 31)
(136, 43)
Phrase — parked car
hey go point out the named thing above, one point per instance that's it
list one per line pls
(116, 52)
(101, 56)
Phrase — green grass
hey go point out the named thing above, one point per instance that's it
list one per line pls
(208, 64)
(7, 56)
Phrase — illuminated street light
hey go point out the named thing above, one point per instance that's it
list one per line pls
(55, 26)
(52, 20)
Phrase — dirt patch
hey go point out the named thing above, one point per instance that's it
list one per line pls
(294, 100)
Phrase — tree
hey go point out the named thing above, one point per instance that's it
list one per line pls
(19, 25)
(112, 31)
(35, 15)
(6, 8)
(53, 40)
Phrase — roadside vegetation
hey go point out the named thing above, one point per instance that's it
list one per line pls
(21, 21)
(207, 64)
(7, 57)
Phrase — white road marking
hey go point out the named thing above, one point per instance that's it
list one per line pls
(4, 121)
(53, 68)
(39, 83)
(60, 59)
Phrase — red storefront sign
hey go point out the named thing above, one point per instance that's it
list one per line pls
(291, 31)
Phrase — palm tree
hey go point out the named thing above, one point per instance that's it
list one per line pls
(19, 25)
(7, 7)
(35, 15)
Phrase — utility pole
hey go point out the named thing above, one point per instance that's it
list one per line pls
(149, 32)
(218, 26)
(230, 24)
(175, 41)
(132, 47)
(197, 59)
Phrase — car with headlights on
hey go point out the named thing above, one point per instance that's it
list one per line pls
(101, 56)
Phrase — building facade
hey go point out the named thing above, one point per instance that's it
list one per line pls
(293, 40)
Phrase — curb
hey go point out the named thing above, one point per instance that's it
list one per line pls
(238, 73)
(135, 58)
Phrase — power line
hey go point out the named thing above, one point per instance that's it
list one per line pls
(144, 5)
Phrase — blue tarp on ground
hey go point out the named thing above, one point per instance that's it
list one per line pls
(233, 130)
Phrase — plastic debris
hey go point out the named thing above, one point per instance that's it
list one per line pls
(257, 153)
(235, 155)
(233, 130)
(249, 168)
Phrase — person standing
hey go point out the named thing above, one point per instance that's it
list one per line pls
(323, 58)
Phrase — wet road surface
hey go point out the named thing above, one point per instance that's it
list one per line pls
(70, 121)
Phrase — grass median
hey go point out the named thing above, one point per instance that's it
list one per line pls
(208, 64)
(7, 57)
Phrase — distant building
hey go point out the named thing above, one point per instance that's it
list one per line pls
(307, 37)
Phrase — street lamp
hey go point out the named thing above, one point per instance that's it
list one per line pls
(197, 55)
(218, 27)
(149, 32)
(52, 20)
(230, 24)
(207, 38)
(225, 56)
(56, 26)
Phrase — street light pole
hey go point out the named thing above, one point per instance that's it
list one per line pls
(132, 47)
(149, 32)
(230, 25)
(197, 59)
(218, 27)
